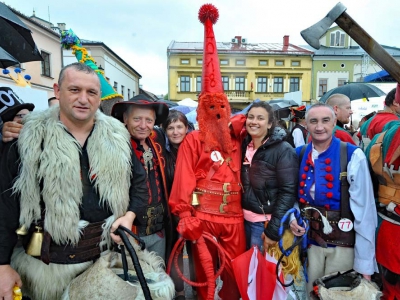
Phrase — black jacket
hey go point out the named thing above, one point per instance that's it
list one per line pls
(271, 180)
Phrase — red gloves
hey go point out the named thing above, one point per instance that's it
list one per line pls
(189, 227)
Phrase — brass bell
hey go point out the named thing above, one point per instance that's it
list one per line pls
(22, 230)
(35, 244)
(195, 199)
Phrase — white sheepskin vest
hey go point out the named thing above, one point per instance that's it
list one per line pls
(50, 154)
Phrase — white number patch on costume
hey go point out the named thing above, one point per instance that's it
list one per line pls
(345, 225)
(216, 156)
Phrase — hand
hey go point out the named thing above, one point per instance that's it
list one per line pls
(367, 277)
(11, 131)
(189, 227)
(267, 241)
(296, 229)
(126, 221)
(8, 279)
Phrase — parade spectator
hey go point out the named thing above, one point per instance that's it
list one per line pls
(299, 131)
(140, 114)
(269, 176)
(341, 105)
(48, 187)
(52, 101)
(11, 127)
(350, 212)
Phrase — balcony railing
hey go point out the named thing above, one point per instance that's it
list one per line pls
(237, 96)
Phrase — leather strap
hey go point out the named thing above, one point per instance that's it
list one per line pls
(345, 210)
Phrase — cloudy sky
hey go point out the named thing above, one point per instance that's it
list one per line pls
(140, 31)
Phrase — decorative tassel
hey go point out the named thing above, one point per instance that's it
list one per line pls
(327, 227)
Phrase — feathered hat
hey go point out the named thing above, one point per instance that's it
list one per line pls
(213, 112)
(298, 112)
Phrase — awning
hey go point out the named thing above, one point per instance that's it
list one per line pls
(380, 76)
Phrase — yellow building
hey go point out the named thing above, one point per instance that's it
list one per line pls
(249, 71)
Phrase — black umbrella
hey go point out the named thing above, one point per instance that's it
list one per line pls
(281, 108)
(354, 91)
(16, 37)
(6, 59)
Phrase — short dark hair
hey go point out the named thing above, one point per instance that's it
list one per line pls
(173, 116)
(78, 67)
(390, 97)
(51, 98)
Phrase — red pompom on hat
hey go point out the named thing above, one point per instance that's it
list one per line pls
(211, 77)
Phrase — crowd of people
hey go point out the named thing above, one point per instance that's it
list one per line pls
(74, 175)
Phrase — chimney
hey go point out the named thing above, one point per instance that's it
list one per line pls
(239, 38)
(285, 41)
(61, 26)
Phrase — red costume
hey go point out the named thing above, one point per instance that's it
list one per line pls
(208, 165)
(379, 121)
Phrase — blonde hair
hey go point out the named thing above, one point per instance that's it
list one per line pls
(290, 264)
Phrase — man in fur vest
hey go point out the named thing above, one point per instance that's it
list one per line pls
(67, 179)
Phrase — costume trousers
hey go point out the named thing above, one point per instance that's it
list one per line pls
(232, 239)
(155, 242)
(323, 261)
(390, 291)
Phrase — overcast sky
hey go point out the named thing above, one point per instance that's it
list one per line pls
(139, 31)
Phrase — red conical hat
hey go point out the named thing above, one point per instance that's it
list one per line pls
(211, 77)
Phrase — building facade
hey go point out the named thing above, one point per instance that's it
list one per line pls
(341, 60)
(249, 71)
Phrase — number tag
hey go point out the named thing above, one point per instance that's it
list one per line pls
(345, 225)
(216, 156)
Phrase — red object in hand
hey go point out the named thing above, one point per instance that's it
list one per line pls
(189, 227)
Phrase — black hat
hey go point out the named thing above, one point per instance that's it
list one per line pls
(11, 104)
(160, 108)
(298, 112)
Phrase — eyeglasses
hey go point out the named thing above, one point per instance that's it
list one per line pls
(20, 116)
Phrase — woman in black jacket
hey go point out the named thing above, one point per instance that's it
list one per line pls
(269, 176)
(176, 126)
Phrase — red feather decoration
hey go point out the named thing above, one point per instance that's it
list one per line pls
(208, 11)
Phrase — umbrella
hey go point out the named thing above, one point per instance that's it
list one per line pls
(354, 91)
(169, 103)
(6, 59)
(281, 108)
(183, 109)
(16, 37)
(289, 102)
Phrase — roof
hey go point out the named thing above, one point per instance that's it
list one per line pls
(94, 43)
(351, 51)
(228, 47)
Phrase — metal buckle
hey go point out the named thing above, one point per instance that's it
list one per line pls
(342, 174)
(225, 187)
(150, 211)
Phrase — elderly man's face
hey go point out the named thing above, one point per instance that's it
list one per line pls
(140, 122)
(320, 124)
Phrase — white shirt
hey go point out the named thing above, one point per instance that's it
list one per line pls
(298, 137)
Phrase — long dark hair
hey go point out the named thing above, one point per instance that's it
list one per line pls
(271, 117)
(173, 116)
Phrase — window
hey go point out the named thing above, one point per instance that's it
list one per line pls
(185, 84)
(240, 62)
(199, 61)
(295, 63)
(239, 83)
(278, 85)
(225, 83)
(323, 87)
(337, 39)
(341, 82)
(46, 64)
(198, 84)
(294, 84)
(122, 90)
(263, 62)
(262, 84)
(116, 86)
(279, 63)
(185, 61)
(224, 62)
(129, 93)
